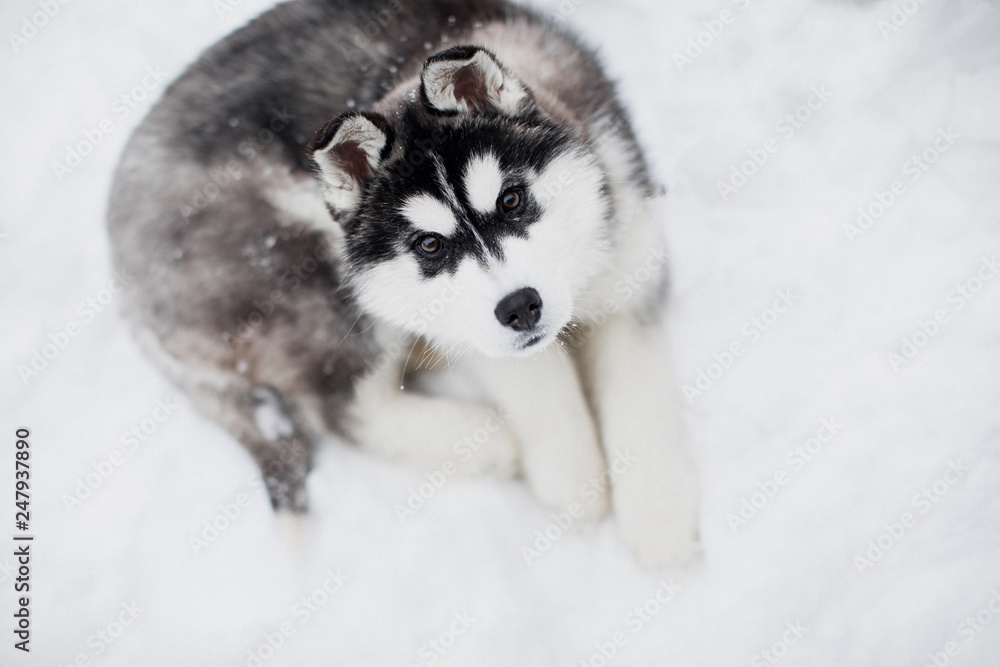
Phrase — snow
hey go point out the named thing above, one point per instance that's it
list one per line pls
(904, 453)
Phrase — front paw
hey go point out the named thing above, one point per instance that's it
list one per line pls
(566, 472)
(481, 443)
(658, 516)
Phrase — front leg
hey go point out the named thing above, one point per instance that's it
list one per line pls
(636, 399)
(544, 404)
(428, 432)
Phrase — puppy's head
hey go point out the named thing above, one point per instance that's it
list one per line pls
(470, 217)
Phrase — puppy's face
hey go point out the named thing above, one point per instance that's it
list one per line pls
(469, 226)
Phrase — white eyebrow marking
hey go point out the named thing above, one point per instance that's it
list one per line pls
(441, 175)
(483, 180)
(430, 214)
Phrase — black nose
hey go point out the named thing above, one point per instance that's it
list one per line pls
(520, 310)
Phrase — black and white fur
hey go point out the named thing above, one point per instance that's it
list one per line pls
(478, 197)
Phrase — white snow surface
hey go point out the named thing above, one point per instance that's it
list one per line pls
(116, 578)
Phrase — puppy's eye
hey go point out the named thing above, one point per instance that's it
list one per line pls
(510, 200)
(429, 245)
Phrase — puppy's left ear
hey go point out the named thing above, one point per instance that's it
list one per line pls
(347, 151)
(470, 80)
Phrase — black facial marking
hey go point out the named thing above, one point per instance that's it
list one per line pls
(426, 146)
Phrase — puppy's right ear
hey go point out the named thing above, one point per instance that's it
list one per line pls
(347, 151)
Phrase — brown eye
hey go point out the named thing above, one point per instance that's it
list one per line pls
(510, 200)
(429, 245)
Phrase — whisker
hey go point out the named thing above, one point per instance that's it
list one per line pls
(358, 319)
(402, 371)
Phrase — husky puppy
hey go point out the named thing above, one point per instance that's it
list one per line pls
(478, 196)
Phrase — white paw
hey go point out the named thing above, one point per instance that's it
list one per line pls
(462, 438)
(566, 471)
(657, 518)
(438, 434)
(480, 444)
